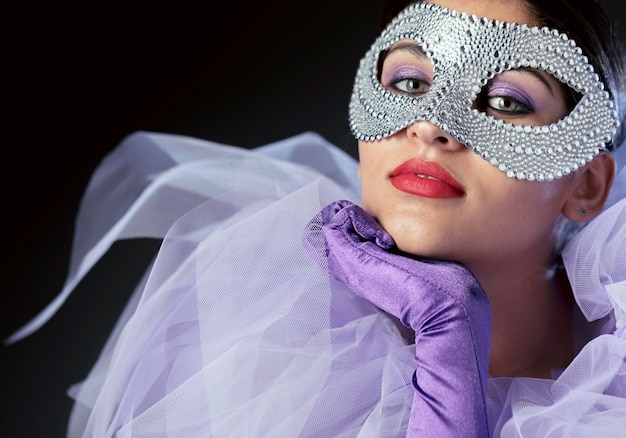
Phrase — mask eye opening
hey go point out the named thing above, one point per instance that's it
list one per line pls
(573, 97)
(379, 64)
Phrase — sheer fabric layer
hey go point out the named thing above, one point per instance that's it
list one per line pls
(237, 331)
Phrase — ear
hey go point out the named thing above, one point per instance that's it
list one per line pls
(591, 186)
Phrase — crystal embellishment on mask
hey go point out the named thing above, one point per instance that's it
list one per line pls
(466, 52)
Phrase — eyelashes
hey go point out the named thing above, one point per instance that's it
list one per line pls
(505, 96)
(409, 81)
(404, 73)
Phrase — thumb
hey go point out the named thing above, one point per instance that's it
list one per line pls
(358, 225)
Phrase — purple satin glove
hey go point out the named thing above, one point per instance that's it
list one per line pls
(441, 301)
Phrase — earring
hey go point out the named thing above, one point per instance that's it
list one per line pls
(583, 211)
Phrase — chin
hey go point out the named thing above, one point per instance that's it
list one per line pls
(412, 251)
(414, 234)
(417, 245)
(423, 244)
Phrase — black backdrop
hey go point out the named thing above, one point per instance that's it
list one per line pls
(77, 79)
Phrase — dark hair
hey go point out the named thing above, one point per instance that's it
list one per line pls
(585, 22)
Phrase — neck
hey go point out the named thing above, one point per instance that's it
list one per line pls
(532, 322)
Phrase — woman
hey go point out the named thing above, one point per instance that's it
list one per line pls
(425, 219)
(438, 199)
(468, 183)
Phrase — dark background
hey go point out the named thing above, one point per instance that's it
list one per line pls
(78, 79)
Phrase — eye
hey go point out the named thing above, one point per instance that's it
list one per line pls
(405, 69)
(506, 97)
(506, 104)
(410, 86)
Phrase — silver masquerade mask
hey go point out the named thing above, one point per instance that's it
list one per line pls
(466, 52)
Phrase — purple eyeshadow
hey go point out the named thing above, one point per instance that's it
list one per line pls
(409, 73)
(509, 90)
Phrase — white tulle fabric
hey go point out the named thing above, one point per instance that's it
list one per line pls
(236, 331)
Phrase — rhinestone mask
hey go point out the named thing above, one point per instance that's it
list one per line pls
(466, 52)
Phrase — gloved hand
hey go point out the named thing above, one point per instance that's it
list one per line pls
(440, 300)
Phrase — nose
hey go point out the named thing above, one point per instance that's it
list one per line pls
(429, 134)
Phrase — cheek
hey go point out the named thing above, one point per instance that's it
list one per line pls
(526, 208)
(554, 190)
(541, 195)
(370, 198)
(368, 170)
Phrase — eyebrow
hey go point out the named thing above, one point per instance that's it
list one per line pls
(539, 76)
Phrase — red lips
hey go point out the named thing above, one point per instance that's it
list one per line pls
(425, 178)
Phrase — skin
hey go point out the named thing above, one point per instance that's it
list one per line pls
(502, 229)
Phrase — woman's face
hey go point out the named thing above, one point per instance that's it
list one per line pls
(436, 197)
